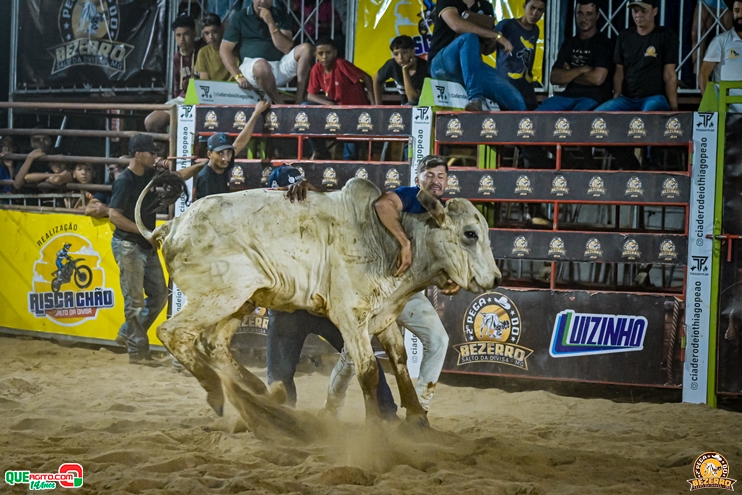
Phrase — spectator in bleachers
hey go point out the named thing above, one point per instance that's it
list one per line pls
(215, 176)
(209, 63)
(341, 83)
(456, 55)
(710, 11)
(646, 57)
(406, 70)
(184, 62)
(7, 166)
(584, 64)
(523, 34)
(33, 172)
(269, 58)
(724, 56)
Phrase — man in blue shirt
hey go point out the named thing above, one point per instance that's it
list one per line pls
(517, 66)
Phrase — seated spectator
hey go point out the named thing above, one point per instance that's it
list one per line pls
(724, 56)
(341, 83)
(209, 63)
(523, 34)
(407, 71)
(32, 172)
(269, 58)
(7, 166)
(184, 61)
(456, 55)
(646, 57)
(584, 64)
(710, 11)
(98, 203)
(214, 177)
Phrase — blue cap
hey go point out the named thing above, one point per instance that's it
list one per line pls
(284, 176)
(218, 142)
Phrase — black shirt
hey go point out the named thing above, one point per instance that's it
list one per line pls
(594, 52)
(644, 59)
(126, 191)
(254, 36)
(443, 35)
(392, 70)
(102, 196)
(209, 182)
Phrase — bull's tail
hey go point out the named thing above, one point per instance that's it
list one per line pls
(173, 187)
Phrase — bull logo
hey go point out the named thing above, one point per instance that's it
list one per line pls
(634, 187)
(392, 179)
(556, 248)
(237, 176)
(89, 29)
(593, 249)
(453, 129)
(651, 52)
(559, 186)
(271, 122)
(332, 122)
(631, 250)
(264, 178)
(486, 185)
(561, 128)
(396, 123)
(599, 129)
(452, 186)
(364, 123)
(520, 246)
(711, 470)
(636, 128)
(210, 121)
(668, 251)
(362, 173)
(492, 332)
(489, 128)
(240, 120)
(525, 128)
(673, 129)
(301, 122)
(670, 188)
(329, 177)
(596, 187)
(523, 185)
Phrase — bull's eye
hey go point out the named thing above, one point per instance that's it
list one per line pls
(470, 234)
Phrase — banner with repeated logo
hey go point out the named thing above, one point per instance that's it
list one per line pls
(700, 249)
(380, 22)
(81, 300)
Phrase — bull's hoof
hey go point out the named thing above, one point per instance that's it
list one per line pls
(216, 401)
(420, 420)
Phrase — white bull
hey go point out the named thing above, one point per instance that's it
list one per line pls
(329, 255)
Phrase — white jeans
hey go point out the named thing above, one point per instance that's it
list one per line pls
(420, 317)
(284, 70)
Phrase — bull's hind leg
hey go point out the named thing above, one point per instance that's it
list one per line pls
(358, 344)
(393, 344)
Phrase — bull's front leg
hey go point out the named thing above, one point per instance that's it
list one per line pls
(393, 344)
(358, 345)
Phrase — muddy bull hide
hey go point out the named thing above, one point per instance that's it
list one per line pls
(329, 255)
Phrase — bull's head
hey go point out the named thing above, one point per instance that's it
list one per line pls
(461, 242)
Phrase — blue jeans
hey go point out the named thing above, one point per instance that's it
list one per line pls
(141, 273)
(461, 62)
(657, 103)
(567, 104)
(285, 339)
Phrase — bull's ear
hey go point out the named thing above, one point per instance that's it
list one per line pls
(433, 205)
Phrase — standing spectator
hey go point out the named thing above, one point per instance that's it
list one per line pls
(209, 63)
(7, 166)
(646, 57)
(724, 56)
(584, 65)
(456, 55)
(523, 34)
(342, 84)
(184, 62)
(139, 265)
(269, 58)
(710, 11)
(407, 71)
(214, 177)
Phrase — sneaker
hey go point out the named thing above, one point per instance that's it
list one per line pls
(144, 361)
(541, 222)
(477, 105)
(122, 341)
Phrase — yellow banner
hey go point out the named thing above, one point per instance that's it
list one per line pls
(85, 300)
(380, 21)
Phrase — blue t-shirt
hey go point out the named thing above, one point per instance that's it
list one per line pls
(5, 175)
(519, 64)
(410, 203)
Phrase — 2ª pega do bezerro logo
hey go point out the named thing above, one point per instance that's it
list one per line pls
(89, 29)
(492, 330)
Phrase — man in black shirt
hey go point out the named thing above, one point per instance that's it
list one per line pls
(584, 65)
(140, 269)
(407, 71)
(214, 177)
(456, 55)
(646, 57)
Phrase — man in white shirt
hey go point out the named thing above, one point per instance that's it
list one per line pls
(724, 55)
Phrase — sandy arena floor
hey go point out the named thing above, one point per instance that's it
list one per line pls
(141, 430)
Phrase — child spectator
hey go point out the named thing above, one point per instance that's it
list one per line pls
(54, 173)
(209, 63)
(7, 166)
(407, 71)
(342, 84)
